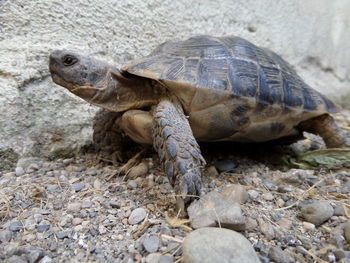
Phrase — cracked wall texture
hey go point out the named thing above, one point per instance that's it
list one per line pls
(39, 118)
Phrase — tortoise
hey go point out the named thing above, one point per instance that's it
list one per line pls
(201, 89)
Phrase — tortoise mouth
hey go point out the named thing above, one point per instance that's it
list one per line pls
(87, 93)
(59, 81)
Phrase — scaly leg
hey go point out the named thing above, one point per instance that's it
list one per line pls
(177, 148)
(108, 137)
(326, 127)
(112, 141)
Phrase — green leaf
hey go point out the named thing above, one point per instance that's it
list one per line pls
(324, 158)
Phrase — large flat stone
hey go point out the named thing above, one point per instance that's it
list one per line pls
(214, 209)
(211, 245)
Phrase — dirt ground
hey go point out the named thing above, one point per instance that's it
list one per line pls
(79, 209)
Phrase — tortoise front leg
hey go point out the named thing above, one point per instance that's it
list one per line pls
(177, 148)
(326, 127)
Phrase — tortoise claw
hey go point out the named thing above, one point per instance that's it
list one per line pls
(190, 186)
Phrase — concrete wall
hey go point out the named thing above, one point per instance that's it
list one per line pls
(38, 118)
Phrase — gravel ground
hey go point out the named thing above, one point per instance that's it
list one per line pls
(79, 209)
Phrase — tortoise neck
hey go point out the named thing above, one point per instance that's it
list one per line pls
(127, 93)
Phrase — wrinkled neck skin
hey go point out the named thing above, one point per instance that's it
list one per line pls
(119, 96)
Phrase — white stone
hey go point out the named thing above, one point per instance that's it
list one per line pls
(137, 216)
(19, 171)
(308, 226)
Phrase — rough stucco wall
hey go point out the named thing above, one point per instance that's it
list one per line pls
(38, 118)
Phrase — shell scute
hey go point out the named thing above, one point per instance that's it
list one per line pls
(229, 67)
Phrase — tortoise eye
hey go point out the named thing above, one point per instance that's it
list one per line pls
(69, 60)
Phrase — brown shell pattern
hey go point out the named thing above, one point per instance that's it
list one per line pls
(231, 65)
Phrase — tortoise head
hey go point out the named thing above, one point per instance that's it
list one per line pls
(81, 75)
(92, 80)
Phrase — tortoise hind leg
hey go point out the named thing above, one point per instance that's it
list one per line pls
(177, 148)
(326, 127)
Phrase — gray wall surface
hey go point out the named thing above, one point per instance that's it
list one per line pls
(39, 118)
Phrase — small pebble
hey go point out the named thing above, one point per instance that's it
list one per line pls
(62, 235)
(43, 227)
(78, 228)
(65, 220)
(52, 187)
(309, 226)
(73, 207)
(91, 172)
(63, 178)
(285, 188)
(280, 202)
(339, 254)
(67, 161)
(77, 187)
(138, 170)
(285, 223)
(277, 255)
(262, 248)
(137, 216)
(150, 180)
(86, 204)
(30, 223)
(224, 165)
(44, 212)
(114, 204)
(151, 243)
(339, 211)
(331, 257)
(102, 230)
(267, 196)
(346, 188)
(97, 184)
(167, 258)
(153, 258)
(19, 171)
(211, 171)
(212, 184)
(347, 231)
(77, 221)
(270, 186)
(33, 166)
(46, 259)
(253, 194)
(174, 248)
(27, 162)
(5, 236)
(79, 169)
(267, 229)
(251, 224)
(264, 259)
(127, 213)
(151, 207)
(132, 184)
(120, 237)
(34, 255)
(16, 226)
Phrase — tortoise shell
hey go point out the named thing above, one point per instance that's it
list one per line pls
(232, 89)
